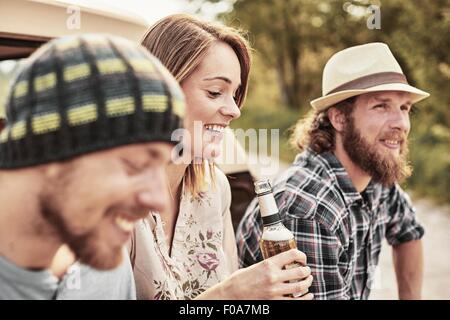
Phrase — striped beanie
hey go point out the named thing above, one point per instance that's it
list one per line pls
(80, 94)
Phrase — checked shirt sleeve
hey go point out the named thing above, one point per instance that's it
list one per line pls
(403, 225)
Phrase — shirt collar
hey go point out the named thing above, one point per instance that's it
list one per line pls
(373, 194)
(334, 169)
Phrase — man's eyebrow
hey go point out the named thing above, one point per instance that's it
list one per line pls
(155, 153)
(407, 103)
(383, 99)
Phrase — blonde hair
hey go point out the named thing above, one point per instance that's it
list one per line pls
(181, 42)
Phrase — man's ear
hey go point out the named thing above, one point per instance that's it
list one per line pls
(337, 119)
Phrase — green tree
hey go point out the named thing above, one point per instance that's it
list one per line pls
(295, 37)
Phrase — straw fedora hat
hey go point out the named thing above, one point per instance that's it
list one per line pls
(361, 69)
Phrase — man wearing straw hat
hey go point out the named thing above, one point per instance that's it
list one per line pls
(341, 197)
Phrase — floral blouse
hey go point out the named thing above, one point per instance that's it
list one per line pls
(203, 249)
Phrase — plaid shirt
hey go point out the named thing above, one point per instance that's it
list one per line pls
(339, 229)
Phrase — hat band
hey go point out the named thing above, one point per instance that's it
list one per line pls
(371, 80)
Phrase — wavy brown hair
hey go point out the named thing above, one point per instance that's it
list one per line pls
(316, 132)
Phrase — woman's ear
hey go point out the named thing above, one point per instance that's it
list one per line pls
(337, 119)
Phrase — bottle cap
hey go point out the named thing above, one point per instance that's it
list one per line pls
(263, 187)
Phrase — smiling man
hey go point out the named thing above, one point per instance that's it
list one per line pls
(89, 125)
(341, 196)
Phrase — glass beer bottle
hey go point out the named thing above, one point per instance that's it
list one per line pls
(276, 238)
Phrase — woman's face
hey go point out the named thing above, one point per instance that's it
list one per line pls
(210, 93)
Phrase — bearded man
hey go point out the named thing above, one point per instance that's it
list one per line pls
(82, 158)
(341, 197)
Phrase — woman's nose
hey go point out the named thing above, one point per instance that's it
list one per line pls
(231, 110)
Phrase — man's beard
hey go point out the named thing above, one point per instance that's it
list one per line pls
(383, 168)
(88, 248)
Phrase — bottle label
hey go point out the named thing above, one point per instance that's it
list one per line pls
(267, 205)
(272, 219)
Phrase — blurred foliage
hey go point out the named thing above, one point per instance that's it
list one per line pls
(293, 39)
(274, 117)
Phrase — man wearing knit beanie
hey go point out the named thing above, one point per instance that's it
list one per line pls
(89, 125)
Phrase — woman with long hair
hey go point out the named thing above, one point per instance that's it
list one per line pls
(190, 251)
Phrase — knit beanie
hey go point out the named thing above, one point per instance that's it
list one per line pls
(81, 94)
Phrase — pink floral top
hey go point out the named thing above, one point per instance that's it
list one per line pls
(203, 249)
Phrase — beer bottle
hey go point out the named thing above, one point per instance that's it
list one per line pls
(276, 238)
